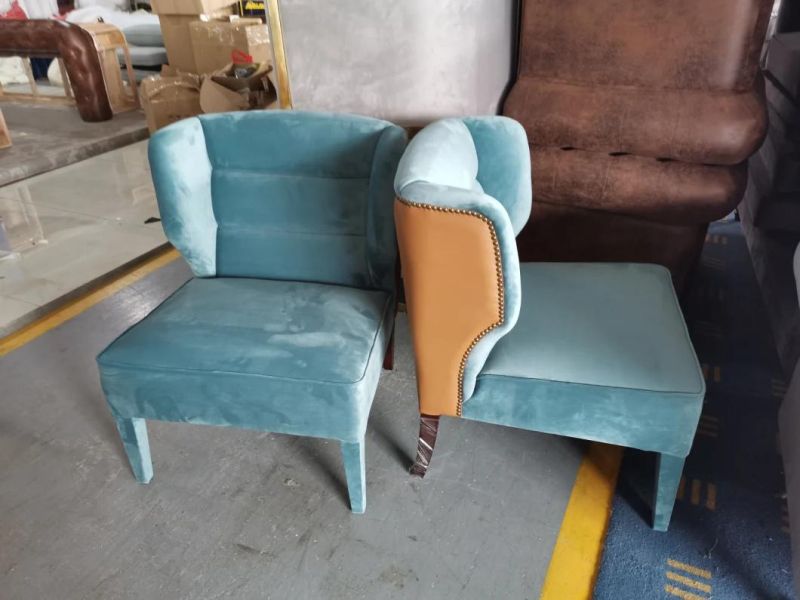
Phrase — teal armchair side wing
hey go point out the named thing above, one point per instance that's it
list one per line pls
(592, 351)
(285, 219)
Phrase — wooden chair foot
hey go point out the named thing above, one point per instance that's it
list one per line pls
(428, 429)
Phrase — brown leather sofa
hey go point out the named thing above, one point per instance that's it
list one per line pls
(640, 117)
(48, 38)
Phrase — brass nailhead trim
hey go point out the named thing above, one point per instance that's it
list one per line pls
(498, 265)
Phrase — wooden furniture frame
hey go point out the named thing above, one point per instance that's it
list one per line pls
(108, 39)
(34, 95)
(5, 136)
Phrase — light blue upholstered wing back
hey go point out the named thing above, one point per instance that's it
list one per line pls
(460, 163)
(281, 195)
(504, 164)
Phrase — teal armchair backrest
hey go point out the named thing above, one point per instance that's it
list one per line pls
(281, 195)
(479, 167)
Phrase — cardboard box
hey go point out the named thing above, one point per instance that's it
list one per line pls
(783, 61)
(178, 39)
(222, 92)
(213, 42)
(171, 97)
(5, 137)
(188, 7)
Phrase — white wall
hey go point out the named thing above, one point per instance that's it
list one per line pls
(408, 61)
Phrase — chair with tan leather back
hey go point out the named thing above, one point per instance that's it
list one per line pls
(597, 351)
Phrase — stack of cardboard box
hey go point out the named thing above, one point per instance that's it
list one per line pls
(773, 189)
(217, 62)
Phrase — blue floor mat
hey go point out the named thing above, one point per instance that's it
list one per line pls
(728, 538)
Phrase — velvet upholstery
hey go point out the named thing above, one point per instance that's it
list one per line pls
(582, 359)
(589, 350)
(429, 173)
(282, 356)
(217, 217)
(504, 170)
(286, 220)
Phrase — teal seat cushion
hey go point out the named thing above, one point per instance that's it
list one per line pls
(600, 352)
(291, 357)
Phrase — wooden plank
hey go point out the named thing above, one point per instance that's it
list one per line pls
(5, 136)
(107, 40)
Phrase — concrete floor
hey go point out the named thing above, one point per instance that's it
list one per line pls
(243, 514)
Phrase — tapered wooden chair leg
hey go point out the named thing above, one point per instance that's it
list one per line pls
(428, 429)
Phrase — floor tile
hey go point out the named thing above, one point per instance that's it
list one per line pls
(73, 225)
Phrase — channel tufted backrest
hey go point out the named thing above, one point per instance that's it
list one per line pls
(281, 195)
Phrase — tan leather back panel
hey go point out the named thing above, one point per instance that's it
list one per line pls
(453, 284)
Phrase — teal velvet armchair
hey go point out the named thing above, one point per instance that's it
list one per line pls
(285, 219)
(593, 351)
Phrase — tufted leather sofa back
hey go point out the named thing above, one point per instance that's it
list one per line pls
(50, 38)
(674, 80)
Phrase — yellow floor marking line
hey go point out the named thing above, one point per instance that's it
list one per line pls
(579, 547)
(75, 307)
(710, 372)
(689, 568)
(689, 582)
(696, 491)
(684, 580)
(708, 426)
(683, 594)
(711, 497)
